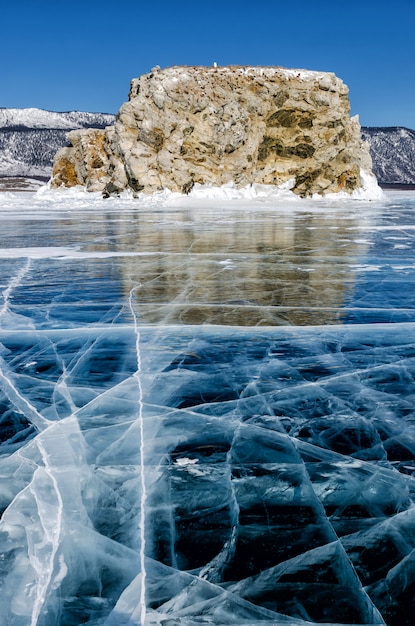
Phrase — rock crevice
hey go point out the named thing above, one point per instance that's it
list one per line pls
(187, 125)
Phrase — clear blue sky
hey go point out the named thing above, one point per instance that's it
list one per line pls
(81, 55)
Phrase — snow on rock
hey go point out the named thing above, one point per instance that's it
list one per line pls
(187, 126)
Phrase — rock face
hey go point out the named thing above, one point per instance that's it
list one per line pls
(187, 125)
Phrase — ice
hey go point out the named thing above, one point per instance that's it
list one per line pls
(207, 409)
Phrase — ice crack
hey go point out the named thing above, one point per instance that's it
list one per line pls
(15, 282)
(143, 497)
(20, 402)
(51, 525)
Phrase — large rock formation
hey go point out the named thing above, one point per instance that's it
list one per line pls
(187, 125)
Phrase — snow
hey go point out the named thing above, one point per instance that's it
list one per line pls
(272, 71)
(369, 190)
(40, 118)
(230, 194)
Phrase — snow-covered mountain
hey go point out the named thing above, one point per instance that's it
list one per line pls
(39, 118)
(393, 154)
(30, 138)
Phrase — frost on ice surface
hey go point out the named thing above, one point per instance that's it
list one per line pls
(207, 413)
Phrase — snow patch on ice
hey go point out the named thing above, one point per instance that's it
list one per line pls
(186, 461)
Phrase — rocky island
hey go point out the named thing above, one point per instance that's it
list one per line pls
(215, 125)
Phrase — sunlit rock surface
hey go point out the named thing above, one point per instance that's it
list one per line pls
(206, 420)
(197, 125)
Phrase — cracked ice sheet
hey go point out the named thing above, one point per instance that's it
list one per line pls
(240, 475)
(262, 502)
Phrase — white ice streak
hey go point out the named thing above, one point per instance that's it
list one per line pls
(21, 404)
(15, 282)
(142, 596)
(55, 252)
(38, 522)
(44, 553)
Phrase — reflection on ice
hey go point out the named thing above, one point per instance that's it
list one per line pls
(256, 469)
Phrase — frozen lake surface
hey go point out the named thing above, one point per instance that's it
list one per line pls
(208, 411)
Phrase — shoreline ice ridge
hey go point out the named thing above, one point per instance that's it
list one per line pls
(256, 192)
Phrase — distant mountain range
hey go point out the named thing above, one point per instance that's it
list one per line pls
(29, 139)
(393, 154)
